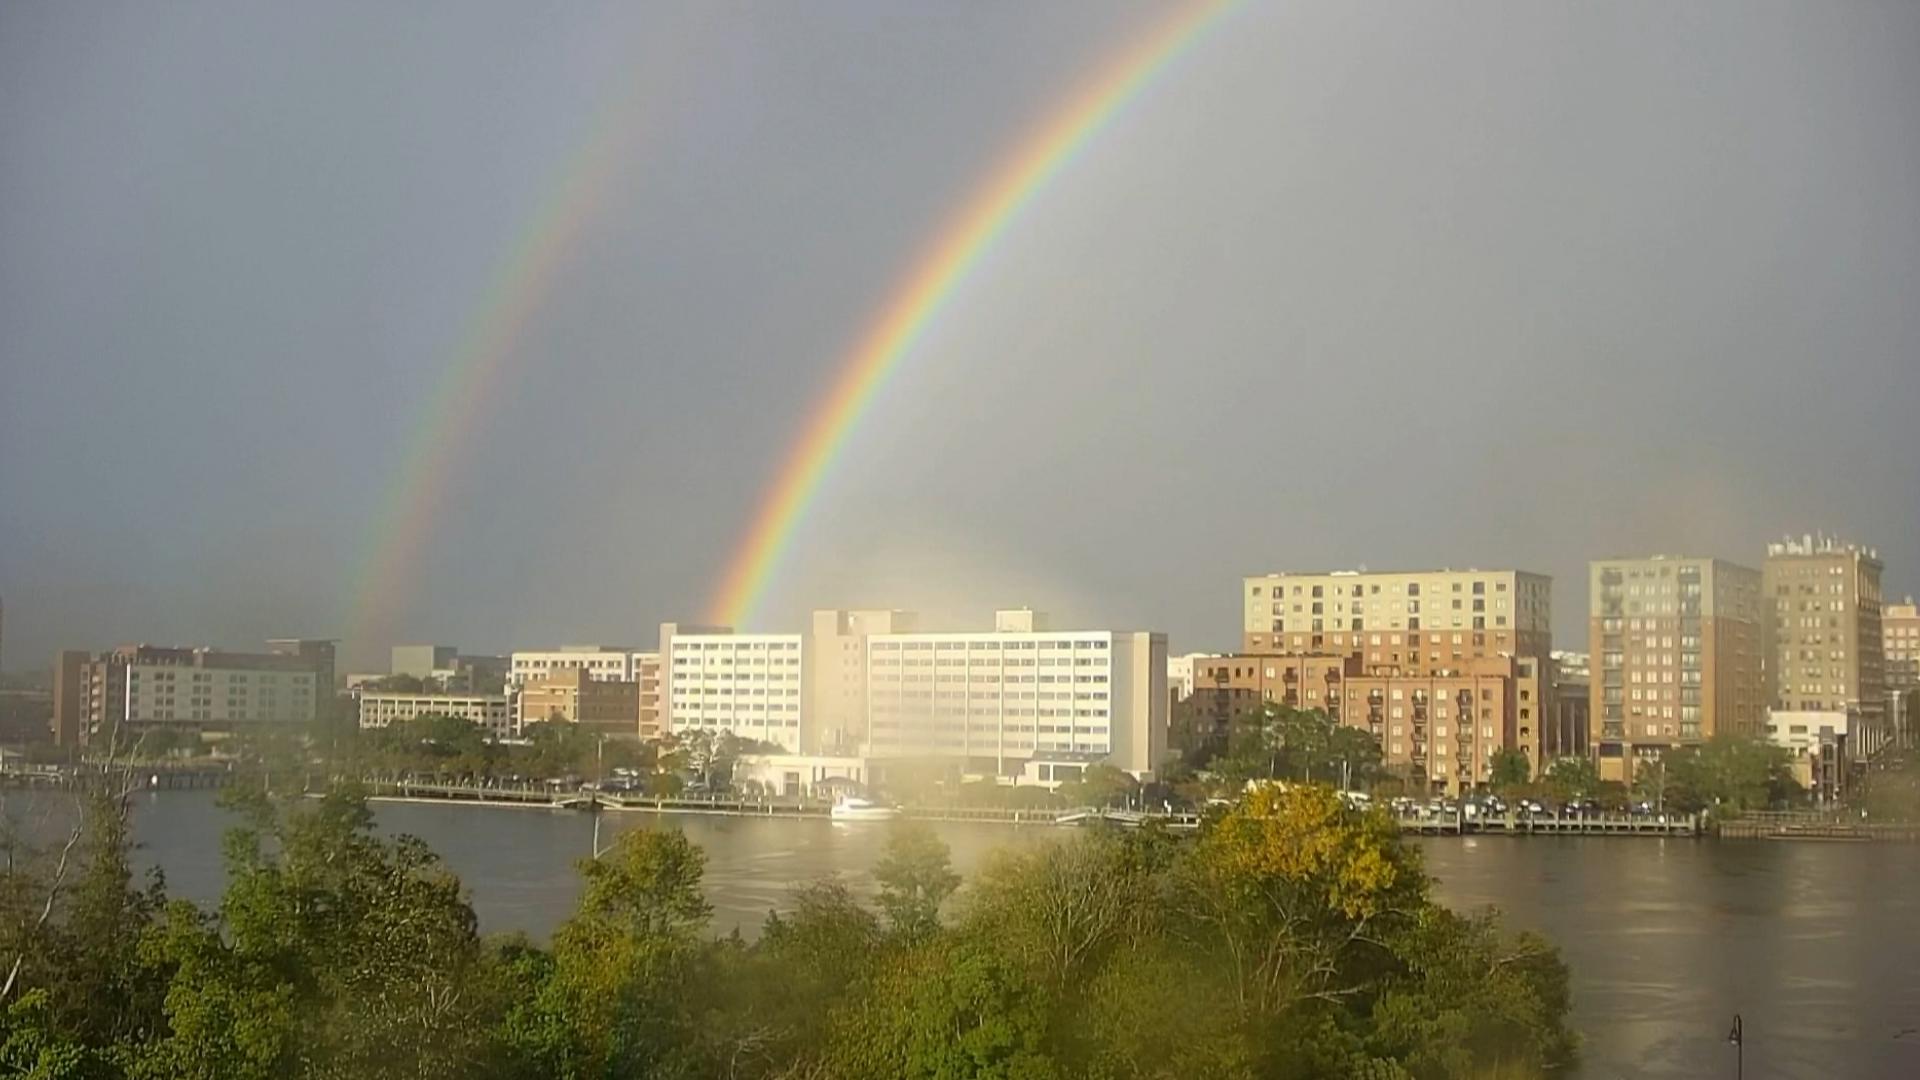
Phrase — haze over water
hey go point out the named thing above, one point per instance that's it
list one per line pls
(1812, 943)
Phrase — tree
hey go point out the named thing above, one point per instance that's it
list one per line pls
(1100, 784)
(1728, 771)
(1510, 770)
(1570, 778)
(612, 1003)
(915, 877)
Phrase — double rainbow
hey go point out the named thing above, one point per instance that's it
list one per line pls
(956, 250)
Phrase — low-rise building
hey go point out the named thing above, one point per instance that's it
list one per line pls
(572, 695)
(492, 712)
(1819, 743)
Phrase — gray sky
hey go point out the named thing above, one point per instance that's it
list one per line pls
(1610, 278)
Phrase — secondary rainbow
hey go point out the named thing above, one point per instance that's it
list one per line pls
(460, 402)
(956, 249)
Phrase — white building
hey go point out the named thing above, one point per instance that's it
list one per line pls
(992, 699)
(747, 685)
(491, 711)
(1010, 697)
(607, 663)
(1820, 747)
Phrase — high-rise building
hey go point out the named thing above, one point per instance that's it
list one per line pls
(1900, 645)
(1413, 620)
(120, 693)
(1460, 627)
(1677, 652)
(1826, 635)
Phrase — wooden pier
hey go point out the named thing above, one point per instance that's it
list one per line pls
(1511, 824)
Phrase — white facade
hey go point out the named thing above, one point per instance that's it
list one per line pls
(490, 711)
(1014, 696)
(749, 685)
(606, 663)
(179, 693)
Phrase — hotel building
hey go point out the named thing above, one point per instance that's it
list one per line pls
(104, 695)
(1676, 654)
(1826, 634)
(868, 684)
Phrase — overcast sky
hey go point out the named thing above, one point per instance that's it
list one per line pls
(1513, 284)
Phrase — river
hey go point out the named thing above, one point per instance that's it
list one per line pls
(1817, 945)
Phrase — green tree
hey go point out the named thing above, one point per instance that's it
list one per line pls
(1510, 770)
(1100, 784)
(915, 877)
(614, 1002)
(1570, 778)
(1730, 772)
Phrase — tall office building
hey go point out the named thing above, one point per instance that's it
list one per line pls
(1826, 633)
(1677, 652)
(1900, 645)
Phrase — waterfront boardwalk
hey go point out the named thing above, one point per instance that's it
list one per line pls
(1552, 824)
(774, 806)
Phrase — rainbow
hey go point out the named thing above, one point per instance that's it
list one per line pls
(461, 400)
(955, 251)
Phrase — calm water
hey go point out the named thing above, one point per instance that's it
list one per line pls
(1817, 945)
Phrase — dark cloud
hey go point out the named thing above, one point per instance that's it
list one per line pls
(1503, 284)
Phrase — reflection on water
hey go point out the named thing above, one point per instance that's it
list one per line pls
(1816, 945)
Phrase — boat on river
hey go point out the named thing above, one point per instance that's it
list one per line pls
(854, 808)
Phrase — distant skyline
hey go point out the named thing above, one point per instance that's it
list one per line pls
(1615, 280)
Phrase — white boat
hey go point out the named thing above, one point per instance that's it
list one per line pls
(854, 808)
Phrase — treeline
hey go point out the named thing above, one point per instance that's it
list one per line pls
(1292, 938)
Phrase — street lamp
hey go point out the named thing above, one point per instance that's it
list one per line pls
(1738, 1038)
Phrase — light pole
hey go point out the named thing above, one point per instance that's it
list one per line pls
(1738, 1038)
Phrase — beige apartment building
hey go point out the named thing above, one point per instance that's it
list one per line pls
(1900, 645)
(1677, 655)
(1413, 620)
(1826, 633)
(1439, 729)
